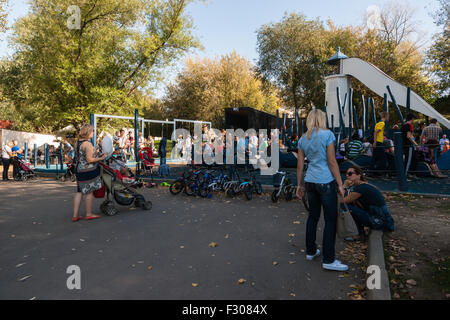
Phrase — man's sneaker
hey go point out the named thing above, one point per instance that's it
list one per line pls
(335, 266)
(308, 257)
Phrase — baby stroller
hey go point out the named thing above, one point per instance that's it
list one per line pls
(120, 189)
(70, 172)
(23, 170)
(146, 164)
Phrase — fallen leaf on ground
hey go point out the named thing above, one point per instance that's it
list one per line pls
(213, 244)
(195, 284)
(241, 281)
(275, 263)
(411, 282)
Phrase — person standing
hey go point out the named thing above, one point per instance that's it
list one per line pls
(409, 145)
(379, 155)
(122, 139)
(431, 136)
(87, 173)
(6, 156)
(322, 182)
(17, 154)
(442, 142)
(16, 149)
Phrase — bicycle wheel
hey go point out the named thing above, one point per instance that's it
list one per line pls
(288, 193)
(248, 191)
(176, 187)
(229, 192)
(275, 196)
(204, 190)
(190, 188)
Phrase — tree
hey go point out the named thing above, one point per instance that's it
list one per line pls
(392, 47)
(205, 87)
(438, 55)
(59, 75)
(292, 53)
(3, 15)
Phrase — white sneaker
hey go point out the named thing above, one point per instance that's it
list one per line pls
(335, 266)
(308, 257)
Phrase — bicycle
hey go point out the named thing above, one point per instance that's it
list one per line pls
(198, 183)
(219, 181)
(248, 186)
(180, 184)
(285, 188)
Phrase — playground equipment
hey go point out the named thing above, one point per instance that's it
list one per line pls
(345, 117)
(377, 81)
(139, 126)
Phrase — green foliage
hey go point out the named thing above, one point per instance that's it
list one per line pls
(58, 76)
(292, 53)
(206, 87)
(3, 15)
(438, 55)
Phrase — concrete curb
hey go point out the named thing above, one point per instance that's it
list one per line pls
(375, 257)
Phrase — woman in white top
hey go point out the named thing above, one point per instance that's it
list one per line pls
(6, 155)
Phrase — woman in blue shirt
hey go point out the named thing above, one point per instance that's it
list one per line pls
(321, 183)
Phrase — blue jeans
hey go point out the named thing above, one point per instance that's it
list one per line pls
(379, 159)
(361, 217)
(322, 196)
(379, 218)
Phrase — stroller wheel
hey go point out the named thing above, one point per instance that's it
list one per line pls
(140, 202)
(147, 205)
(24, 178)
(73, 178)
(108, 208)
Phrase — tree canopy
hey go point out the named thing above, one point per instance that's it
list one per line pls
(293, 53)
(205, 87)
(58, 75)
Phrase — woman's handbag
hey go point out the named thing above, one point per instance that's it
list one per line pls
(346, 226)
(100, 193)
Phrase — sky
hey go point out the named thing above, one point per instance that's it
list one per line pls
(223, 26)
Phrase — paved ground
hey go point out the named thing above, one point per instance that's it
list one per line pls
(159, 254)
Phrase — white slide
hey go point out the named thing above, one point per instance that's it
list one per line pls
(376, 80)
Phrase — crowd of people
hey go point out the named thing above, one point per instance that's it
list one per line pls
(418, 145)
(321, 184)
